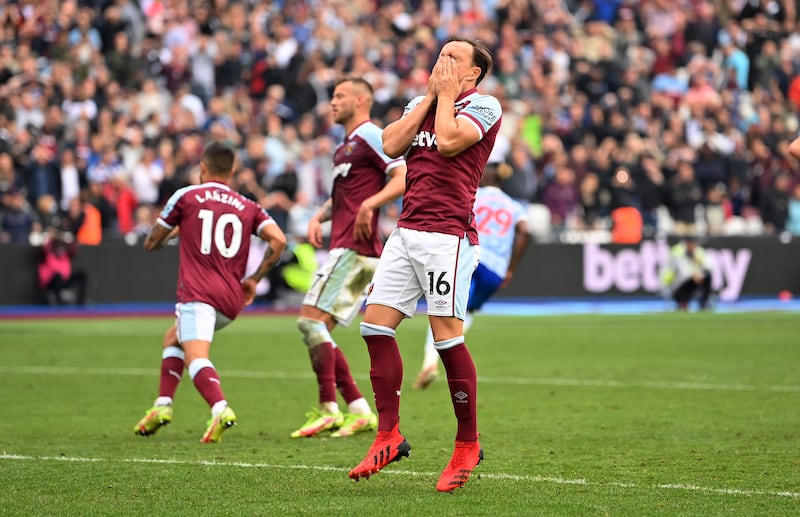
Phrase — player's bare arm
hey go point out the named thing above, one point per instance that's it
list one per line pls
(521, 238)
(399, 135)
(314, 233)
(452, 136)
(158, 236)
(393, 189)
(276, 240)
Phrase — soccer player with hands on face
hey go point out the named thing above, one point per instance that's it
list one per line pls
(216, 224)
(446, 136)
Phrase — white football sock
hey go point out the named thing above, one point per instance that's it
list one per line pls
(329, 407)
(468, 321)
(218, 408)
(359, 407)
(431, 357)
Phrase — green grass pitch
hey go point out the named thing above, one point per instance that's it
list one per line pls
(660, 414)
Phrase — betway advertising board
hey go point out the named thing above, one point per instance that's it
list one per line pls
(756, 267)
(742, 267)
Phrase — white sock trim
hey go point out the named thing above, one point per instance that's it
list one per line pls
(218, 408)
(468, 319)
(197, 365)
(329, 407)
(314, 332)
(359, 406)
(173, 351)
(448, 343)
(369, 329)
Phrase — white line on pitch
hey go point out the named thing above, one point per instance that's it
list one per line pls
(554, 381)
(489, 475)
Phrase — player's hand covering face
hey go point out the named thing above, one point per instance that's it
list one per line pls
(446, 77)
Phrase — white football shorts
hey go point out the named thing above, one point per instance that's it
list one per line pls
(198, 321)
(435, 265)
(339, 286)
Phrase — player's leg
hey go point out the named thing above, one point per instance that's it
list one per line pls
(196, 325)
(483, 285)
(359, 416)
(172, 365)
(704, 288)
(395, 291)
(430, 363)
(447, 298)
(683, 294)
(173, 362)
(386, 376)
(315, 325)
(334, 297)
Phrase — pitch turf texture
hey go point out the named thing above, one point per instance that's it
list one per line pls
(661, 414)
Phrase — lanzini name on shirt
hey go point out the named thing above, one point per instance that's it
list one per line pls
(220, 197)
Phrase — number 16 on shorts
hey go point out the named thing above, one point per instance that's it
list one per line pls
(434, 265)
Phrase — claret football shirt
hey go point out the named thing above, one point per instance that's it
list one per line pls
(359, 171)
(440, 191)
(215, 228)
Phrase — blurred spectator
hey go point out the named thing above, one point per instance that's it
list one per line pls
(48, 213)
(57, 274)
(775, 204)
(687, 274)
(9, 179)
(17, 218)
(684, 195)
(624, 207)
(561, 198)
(146, 177)
(42, 175)
(736, 63)
(704, 26)
(84, 221)
(143, 219)
(650, 188)
(793, 212)
(121, 62)
(72, 179)
(118, 192)
(594, 201)
(586, 85)
(103, 207)
(716, 210)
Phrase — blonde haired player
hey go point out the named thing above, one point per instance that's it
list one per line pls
(365, 179)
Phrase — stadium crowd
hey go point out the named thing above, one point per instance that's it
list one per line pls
(680, 111)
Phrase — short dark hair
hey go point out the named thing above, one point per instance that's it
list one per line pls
(357, 81)
(481, 55)
(219, 158)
